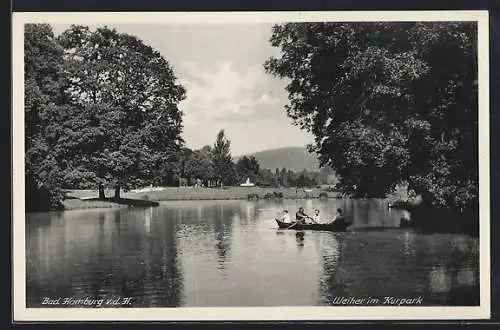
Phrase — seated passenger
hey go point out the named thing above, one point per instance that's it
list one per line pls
(286, 217)
(315, 217)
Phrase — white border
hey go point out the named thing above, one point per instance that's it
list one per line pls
(21, 313)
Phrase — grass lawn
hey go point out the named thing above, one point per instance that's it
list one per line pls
(91, 202)
(75, 203)
(83, 199)
(87, 198)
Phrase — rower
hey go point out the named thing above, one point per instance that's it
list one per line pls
(300, 216)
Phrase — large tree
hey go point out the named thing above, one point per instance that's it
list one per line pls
(45, 109)
(129, 124)
(222, 161)
(387, 103)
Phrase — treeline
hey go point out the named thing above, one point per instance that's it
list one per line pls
(212, 166)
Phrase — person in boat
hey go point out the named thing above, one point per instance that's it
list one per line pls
(286, 217)
(338, 216)
(315, 217)
(300, 216)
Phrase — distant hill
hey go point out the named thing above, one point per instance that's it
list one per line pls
(293, 158)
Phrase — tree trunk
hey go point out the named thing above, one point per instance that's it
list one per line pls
(117, 192)
(101, 192)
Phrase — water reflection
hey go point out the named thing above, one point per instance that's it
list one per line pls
(439, 279)
(466, 277)
(230, 253)
(371, 213)
(200, 212)
(408, 243)
(406, 266)
(103, 253)
(247, 212)
(222, 228)
(148, 215)
(299, 236)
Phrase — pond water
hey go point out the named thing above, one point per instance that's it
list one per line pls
(230, 253)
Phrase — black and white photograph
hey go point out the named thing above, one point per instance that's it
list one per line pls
(289, 166)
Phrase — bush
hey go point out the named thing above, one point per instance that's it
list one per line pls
(278, 194)
(42, 198)
(323, 195)
(252, 197)
(268, 196)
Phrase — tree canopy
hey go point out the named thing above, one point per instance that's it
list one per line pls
(100, 110)
(199, 165)
(127, 96)
(388, 103)
(247, 167)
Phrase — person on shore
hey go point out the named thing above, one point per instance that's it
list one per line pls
(286, 217)
(300, 216)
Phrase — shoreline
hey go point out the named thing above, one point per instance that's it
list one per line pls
(86, 199)
(96, 203)
(83, 204)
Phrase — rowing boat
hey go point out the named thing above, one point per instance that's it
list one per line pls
(335, 226)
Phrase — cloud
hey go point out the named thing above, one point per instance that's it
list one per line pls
(228, 93)
(240, 98)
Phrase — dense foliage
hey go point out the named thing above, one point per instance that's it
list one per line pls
(247, 167)
(100, 110)
(388, 103)
(45, 107)
(199, 166)
(127, 96)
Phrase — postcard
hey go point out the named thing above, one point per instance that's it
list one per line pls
(267, 166)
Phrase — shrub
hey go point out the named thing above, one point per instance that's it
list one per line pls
(252, 197)
(323, 195)
(268, 196)
(278, 194)
(42, 198)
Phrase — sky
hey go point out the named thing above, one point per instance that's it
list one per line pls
(221, 67)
